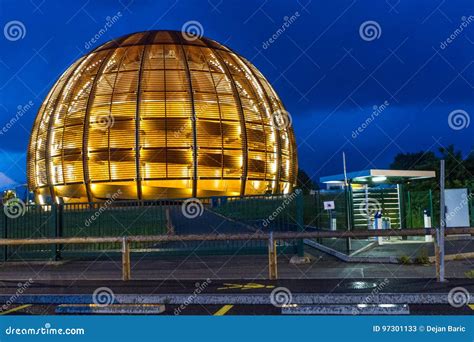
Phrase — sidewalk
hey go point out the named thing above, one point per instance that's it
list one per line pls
(223, 267)
(414, 249)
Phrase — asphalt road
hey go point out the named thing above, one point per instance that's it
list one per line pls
(240, 286)
(235, 297)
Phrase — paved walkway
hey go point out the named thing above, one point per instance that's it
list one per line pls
(224, 267)
(414, 249)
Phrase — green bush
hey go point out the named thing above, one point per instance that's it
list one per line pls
(469, 274)
(423, 258)
(405, 260)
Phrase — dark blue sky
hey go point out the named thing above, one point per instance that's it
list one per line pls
(327, 75)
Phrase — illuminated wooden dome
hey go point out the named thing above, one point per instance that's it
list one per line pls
(161, 114)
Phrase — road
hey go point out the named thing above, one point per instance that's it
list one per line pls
(239, 286)
(237, 297)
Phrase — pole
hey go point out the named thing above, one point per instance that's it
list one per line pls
(409, 208)
(436, 253)
(272, 258)
(5, 235)
(348, 202)
(442, 218)
(125, 259)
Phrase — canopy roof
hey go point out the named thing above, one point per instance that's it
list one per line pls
(379, 176)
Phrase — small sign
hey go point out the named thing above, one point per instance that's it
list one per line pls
(329, 205)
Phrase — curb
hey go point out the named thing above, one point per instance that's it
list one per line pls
(252, 299)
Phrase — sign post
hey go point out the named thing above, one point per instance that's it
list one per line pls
(330, 206)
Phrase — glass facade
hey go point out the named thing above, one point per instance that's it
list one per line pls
(154, 115)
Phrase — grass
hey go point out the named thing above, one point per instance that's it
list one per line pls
(469, 274)
(404, 260)
(422, 258)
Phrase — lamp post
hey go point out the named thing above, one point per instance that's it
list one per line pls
(442, 227)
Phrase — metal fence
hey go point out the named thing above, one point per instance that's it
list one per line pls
(296, 212)
(209, 215)
(78, 220)
(272, 238)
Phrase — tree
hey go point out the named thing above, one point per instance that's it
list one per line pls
(8, 195)
(459, 171)
(456, 175)
(469, 164)
(415, 161)
(305, 183)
